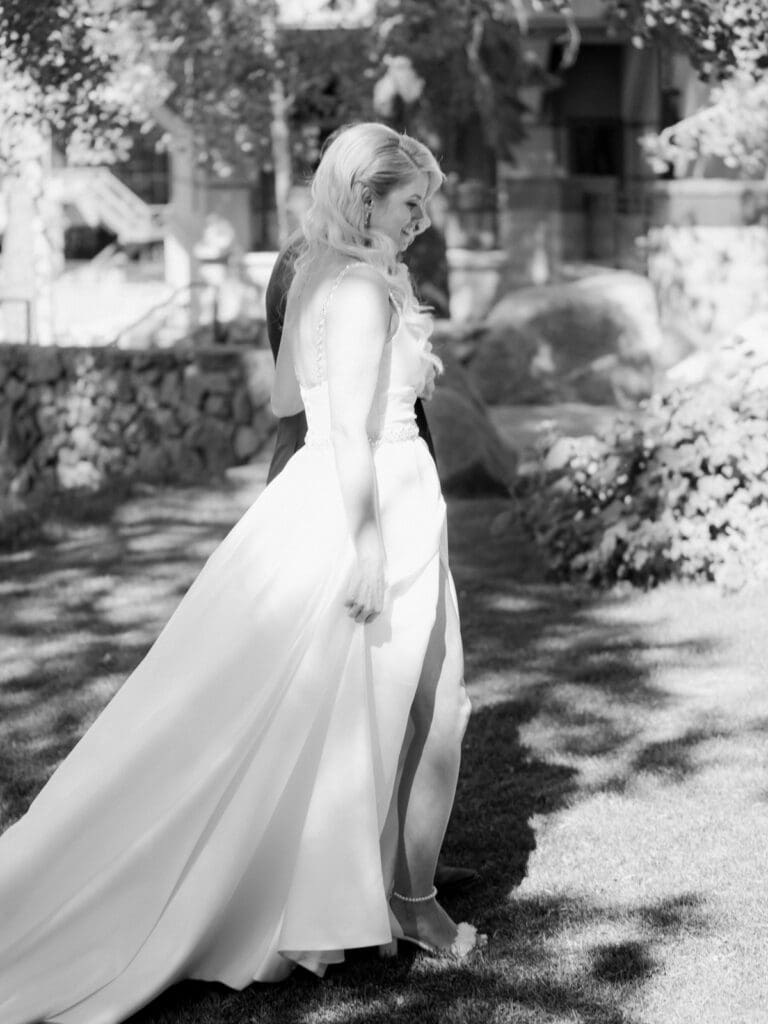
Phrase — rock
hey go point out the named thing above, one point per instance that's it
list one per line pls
(22, 481)
(258, 373)
(512, 367)
(264, 422)
(193, 386)
(45, 452)
(83, 441)
(218, 405)
(595, 339)
(77, 474)
(215, 359)
(454, 374)
(212, 441)
(187, 414)
(167, 423)
(45, 481)
(111, 461)
(246, 443)
(123, 413)
(17, 436)
(67, 456)
(14, 390)
(47, 419)
(216, 383)
(133, 435)
(87, 387)
(86, 412)
(471, 457)
(242, 409)
(152, 463)
(125, 387)
(170, 388)
(185, 463)
(43, 365)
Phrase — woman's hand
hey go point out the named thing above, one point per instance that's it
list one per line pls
(365, 596)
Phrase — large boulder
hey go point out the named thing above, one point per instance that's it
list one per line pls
(472, 459)
(594, 340)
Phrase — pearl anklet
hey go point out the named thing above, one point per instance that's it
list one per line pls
(416, 899)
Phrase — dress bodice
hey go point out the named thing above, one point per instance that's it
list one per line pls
(400, 380)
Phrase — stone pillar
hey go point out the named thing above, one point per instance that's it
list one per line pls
(535, 224)
(32, 243)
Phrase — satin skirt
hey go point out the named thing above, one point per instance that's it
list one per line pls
(224, 818)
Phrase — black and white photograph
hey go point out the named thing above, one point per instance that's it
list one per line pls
(383, 511)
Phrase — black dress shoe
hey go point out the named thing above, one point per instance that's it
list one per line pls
(448, 877)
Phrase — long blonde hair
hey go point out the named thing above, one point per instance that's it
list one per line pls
(368, 158)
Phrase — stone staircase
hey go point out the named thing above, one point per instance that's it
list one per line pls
(101, 198)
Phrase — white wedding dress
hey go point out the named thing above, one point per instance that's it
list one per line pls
(224, 817)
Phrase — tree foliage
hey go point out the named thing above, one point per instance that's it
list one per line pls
(468, 54)
(90, 67)
(79, 69)
(726, 41)
(719, 37)
(680, 494)
(732, 127)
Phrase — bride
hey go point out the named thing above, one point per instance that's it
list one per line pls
(272, 784)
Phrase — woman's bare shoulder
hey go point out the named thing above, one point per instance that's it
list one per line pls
(361, 281)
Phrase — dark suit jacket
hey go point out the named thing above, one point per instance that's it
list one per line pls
(292, 429)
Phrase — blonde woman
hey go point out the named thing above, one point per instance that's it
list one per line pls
(253, 797)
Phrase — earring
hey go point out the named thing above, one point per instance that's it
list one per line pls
(367, 218)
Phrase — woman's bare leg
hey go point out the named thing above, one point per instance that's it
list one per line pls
(427, 788)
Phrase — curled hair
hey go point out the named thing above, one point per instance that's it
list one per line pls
(367, 158)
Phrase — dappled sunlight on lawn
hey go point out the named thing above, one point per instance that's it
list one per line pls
(612, 792)
(513, 603)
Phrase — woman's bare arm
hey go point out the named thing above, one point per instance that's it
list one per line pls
(357, 326)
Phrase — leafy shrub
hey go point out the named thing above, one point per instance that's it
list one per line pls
(680, 492)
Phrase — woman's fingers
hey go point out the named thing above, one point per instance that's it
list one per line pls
(364, 607)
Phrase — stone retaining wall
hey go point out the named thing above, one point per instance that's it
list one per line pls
(80, 417)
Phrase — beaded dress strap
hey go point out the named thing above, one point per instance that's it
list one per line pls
(320, 339)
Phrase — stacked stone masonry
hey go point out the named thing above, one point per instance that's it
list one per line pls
(81, 418)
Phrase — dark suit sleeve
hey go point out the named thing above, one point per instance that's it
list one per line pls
(421, 423)
(290, 429)
(290, 437)
(277, 293)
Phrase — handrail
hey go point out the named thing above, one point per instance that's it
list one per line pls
(120, 208)
(159, 307)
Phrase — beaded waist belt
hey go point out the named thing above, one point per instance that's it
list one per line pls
(389, 435)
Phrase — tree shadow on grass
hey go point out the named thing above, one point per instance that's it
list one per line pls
(538, 657)
(577, 663)
(529, 976)
(81, 607)
(543, 963)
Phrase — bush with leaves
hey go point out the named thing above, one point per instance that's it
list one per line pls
(680, 493)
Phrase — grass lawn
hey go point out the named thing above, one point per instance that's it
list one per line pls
(613, 792)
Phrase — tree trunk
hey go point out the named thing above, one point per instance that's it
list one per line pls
(281, 156)
(31, 246)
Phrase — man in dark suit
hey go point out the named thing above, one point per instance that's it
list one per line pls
(290, 437)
